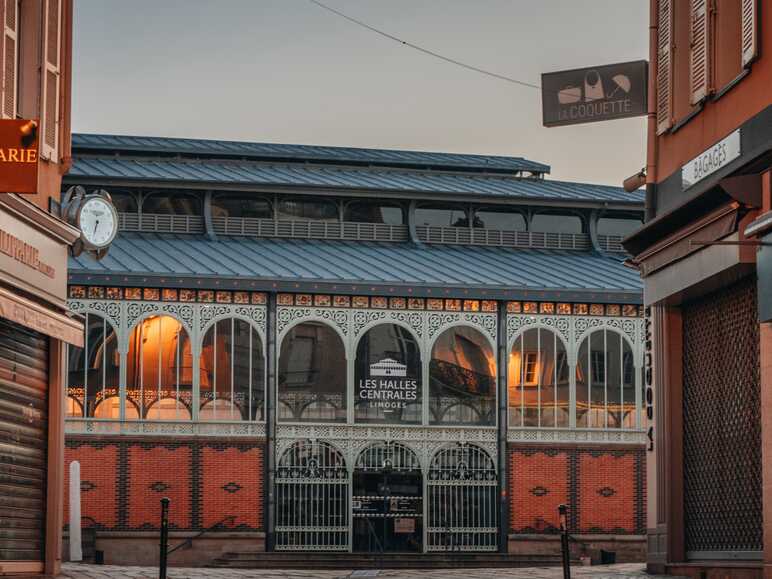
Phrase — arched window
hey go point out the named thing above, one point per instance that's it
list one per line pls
(92, 371)
(605, 382)
(231, 372)
(307, 209)
(440, 215)
(312, 375)
(173, 203)
(500, 218)
(557, 223)
(387, 375)
(159, 369)
(538, 383)
(233, 205)
(124, 201)
(374, 212)
(462, 378)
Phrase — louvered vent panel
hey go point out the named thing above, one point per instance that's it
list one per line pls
(664, 64)
(722, 422)
(698, 54)
(749, 31)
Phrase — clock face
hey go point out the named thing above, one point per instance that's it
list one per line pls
(98, 222)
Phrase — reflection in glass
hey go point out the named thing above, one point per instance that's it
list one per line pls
(92, 371)
(387, 376)
(502, 219)
(556, 223)
(462, 379)
(312, 375)
(173, 204)
(441, 216)
(310, 209)
(373, 212)
(231, 372)
(618, 226)
(159, 367)
(538, 382)
(231, 205)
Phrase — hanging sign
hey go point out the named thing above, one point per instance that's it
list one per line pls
(387, 387)
(18, 156)
(598, 93)
(710, 161)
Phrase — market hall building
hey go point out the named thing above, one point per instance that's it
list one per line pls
(335, 349)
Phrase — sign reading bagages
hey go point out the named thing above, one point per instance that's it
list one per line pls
(599, 93)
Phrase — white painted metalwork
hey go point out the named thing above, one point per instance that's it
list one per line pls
(461, 505)
(313, 488)
(392, 456)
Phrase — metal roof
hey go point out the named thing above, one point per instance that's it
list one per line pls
(246, 173)
(358, 267)
(301, 153)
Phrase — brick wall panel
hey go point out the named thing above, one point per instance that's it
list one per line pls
(232, 484)
(538, 484)
(98, 483)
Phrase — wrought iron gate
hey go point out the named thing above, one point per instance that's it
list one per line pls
(462, 509)
(312, 498)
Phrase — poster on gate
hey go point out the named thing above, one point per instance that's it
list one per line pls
(404, 525)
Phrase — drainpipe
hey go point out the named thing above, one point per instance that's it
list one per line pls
(650, 204)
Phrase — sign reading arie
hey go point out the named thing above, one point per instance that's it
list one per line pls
(18, 156)
(599, 93)
(388, 388)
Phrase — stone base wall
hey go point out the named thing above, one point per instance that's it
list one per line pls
(627, 548)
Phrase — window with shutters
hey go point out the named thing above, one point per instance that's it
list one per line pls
(727, 51)
(10, 58)
(51, 69)
(664, 65)
(699, 53)
(749, 31)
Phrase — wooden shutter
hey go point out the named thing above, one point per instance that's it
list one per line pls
(749, 31)
(699, 71)
(664, 65)
(10, 59)
(49, 106)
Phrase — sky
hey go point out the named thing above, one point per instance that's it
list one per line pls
(287, 71)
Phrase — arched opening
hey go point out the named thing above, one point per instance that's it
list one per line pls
(232, 372)
(387, 375)
(312, 375)
(312, 498)
(168, 409)
(462, 378)
(93, 370)
(538, 385)
(605, 382)
(387, 500)
(159, 366)
(462, 500)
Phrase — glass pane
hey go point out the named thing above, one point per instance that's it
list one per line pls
(441, 216)
(598, 380)
(387, 375)
(556, 223)
(614, 226)
(313, 210)
(514, 383)
(462, 379)
(366, 212)
(312, 375)
(241, 206)
(582, 391)
(159, 367)
(547, 374)
(614, 386)
(562, 389)
(531, 377)
(124, 202)
(629, 408)
(499, 219)
(173, 204)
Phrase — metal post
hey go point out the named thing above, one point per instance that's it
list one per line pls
(76, 549)
(164, 546)
(563, 511)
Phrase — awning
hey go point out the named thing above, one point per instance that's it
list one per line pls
(40, 318)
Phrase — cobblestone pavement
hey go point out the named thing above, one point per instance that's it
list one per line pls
(626, 571)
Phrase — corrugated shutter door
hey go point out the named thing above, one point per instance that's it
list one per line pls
(10, 59)
(749, 31)
(49, 109)
(699, 72)
(23, 442)
(664, 64)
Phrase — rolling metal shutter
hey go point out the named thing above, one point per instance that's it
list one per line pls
(23, 436)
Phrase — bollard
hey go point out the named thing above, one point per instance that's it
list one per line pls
(76, 547)
(164, 547)
(563, 512)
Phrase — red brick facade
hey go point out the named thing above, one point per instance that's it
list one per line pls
(122, 482)
(605, 486)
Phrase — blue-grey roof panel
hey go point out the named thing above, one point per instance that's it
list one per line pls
(395, 264)
(223, 173)
(276, 151)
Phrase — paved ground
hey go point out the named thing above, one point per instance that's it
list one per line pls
(627, 571)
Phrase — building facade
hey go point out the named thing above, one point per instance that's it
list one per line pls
(34, 244)
(701, 255)
(333, 350)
